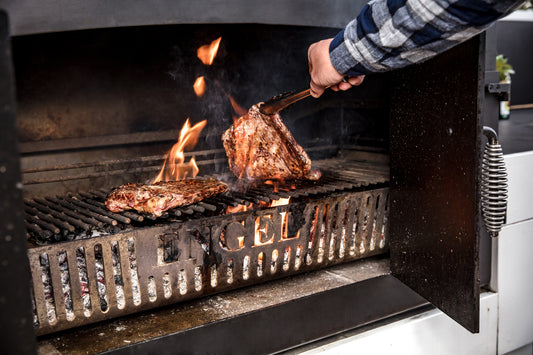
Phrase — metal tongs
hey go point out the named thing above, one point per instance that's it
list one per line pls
(278, 103)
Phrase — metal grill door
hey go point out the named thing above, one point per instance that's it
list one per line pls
(435, 144)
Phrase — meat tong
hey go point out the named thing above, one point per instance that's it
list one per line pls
(278, 103)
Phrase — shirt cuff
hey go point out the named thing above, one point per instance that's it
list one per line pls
(342, 59)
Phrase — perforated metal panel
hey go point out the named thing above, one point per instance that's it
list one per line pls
(84, 281)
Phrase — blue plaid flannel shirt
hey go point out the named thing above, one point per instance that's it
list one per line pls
(391, 34)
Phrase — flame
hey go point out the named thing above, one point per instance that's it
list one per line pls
(274, 183)
(208, 52)
(199, 86)
(174, 167)
(261, 229)
(284, 219)
(239, 110)
(280, 202)
(236, 209)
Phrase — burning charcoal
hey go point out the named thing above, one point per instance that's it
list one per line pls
(119, 282)
(65, 284)
(46, 280)
(84, 284)
(100, 276)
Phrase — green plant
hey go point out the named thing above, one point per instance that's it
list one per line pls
(505, 69)
(525, 6)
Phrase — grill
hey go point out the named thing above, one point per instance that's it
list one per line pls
(112, 264)
(401, 182)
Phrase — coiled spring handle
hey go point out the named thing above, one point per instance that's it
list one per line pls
(493, 184)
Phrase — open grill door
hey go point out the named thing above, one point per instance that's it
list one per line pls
(435, 152)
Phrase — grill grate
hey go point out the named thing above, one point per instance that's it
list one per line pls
(83, 215)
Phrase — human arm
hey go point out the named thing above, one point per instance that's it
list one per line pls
(392, 34)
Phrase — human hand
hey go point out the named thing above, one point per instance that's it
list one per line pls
(324, 74)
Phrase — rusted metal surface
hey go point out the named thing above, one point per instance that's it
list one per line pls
(84, 281)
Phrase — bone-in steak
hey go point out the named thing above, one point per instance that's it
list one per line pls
(261, 147)
(161, 196)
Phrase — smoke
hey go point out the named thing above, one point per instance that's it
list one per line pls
(253, 64)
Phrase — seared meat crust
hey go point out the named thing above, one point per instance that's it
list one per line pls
(161, 196)
(261, 147)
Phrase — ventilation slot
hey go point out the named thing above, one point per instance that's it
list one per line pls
(152, 293)
(48, 289)
(246, 268)
(213, 276)
(117, 275)
(182, 282)
(274, 262)
(65, 284)
(260, 264)
(167, 288)
(100, 277)
(84, 281)
(133, 272)
(198, 278)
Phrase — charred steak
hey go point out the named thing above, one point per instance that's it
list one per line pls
(261, 147)
(161, 196)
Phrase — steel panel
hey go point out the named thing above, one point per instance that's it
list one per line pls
(16, 332)
(435, 149)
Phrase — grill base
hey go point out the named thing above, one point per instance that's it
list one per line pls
(85, 281)
(197, 316)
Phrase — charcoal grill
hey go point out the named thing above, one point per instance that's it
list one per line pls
(394, 194)
(187, 253)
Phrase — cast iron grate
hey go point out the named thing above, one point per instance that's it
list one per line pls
(83, 215)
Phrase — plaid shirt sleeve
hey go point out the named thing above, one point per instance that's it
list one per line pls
(391, 34)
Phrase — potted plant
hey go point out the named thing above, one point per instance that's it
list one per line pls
(505, 70)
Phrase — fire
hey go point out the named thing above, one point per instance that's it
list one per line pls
(284, 219)
(174, 167)
(208, 52)
(199, 86)
(237, 209)
(239, 110)
(280, 202)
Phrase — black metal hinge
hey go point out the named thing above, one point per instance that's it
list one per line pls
(501, 90)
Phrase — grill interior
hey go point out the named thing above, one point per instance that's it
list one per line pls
(108, 119)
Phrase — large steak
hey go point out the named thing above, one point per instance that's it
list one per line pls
(261, 147)
(161, 196)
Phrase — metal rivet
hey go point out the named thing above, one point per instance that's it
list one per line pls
(8, 238)
(449, 131)
(3, 169)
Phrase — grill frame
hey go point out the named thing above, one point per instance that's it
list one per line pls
(361, 214)
(19, 328)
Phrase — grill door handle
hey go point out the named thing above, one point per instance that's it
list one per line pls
(493, 184)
